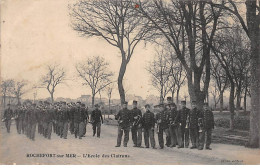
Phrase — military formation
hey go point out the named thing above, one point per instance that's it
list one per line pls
(179, 127)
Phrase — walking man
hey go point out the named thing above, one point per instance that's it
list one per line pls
(96, 119)
(8, 114)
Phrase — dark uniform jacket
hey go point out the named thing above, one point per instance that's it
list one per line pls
(77, 115)
(32, 116)
(96, 116)
(172, 114)
(148, 120)
(182, 116)
(136, 112)
(124, 118)
(64, 115)
(207, 118)
(193, 118)
(49, 115)
(162, 119)
(8, 114)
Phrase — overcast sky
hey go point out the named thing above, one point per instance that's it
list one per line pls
(37, 32)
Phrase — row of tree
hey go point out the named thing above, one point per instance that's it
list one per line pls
(193, 30)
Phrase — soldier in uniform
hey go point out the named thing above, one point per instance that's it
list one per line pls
(207, 118)
(194, 130)
(77, 119)
(136, 117)
(148, 123)
(162, 124)
(8, 114)
(82, 121)
(71, 116)
(49, 120)
(183, 128)
(173, 126)
(64, 120)
(96, 119)
(32, 121)
(85, 111)
(124, 119)
(168, 109)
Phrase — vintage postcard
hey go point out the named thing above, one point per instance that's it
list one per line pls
(130, 82)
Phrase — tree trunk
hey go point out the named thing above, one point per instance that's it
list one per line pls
(254, 35)
(52, 97)
(109, 106)
(221, 102)
(93, 100)
(231, 104)
(120, 81)
(238, 103)
(245, 99)
(177, 97)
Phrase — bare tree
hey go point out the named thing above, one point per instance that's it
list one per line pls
(19, 89)
(228, 50)
(215, 93)
(54, 77)
(109, 90)
(6, 86)
(160, 71)
(116, 22)
(251, 26)
(220, 79)
(187, 23)
(95, 73)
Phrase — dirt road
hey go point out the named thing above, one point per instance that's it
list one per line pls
(17, 149)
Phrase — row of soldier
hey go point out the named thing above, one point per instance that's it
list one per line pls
(59, 118)
(180, 126)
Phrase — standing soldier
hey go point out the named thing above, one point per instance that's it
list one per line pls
(49, 120)
(64, 120)
(183, 128)
(207, 118)
(8, 114)
(168, 109)
(124, 119)
(96, 119)
(77, 119)
(136, 117)
(173, 127)
(86, 117)
(162, 124)
(32, 121)
(71, 116)
(194, 131)
(82, 121)
(148, 122)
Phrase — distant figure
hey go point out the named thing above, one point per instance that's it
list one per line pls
(8, 114)
(96, 120)
(124, 120)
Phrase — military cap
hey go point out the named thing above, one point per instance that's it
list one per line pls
(34, 104)
(183, 102)
(78, 102)
(8, 104)
(96, 105)
(134, 102)
(147, 105)
(125, 102)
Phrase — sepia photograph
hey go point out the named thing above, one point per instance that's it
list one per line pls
(130, 82)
